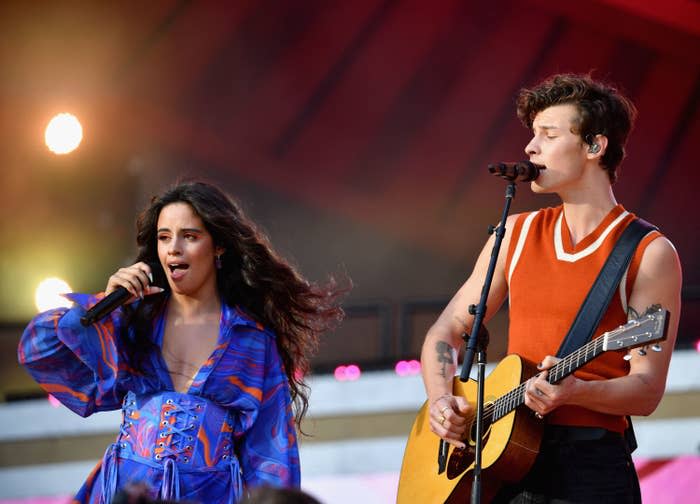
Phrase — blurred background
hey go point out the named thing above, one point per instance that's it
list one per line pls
(357, 134)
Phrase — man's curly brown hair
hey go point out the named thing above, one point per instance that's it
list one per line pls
(603, 110)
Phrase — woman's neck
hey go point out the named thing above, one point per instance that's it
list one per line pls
(194, 309)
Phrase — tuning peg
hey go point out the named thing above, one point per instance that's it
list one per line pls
(642, 352)
(656, 348)
(628, 356)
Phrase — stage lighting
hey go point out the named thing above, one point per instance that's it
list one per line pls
(407, 368)
(350, 372)
(48, 294)
(63, 134)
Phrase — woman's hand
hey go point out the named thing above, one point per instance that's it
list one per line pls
(449, 418)
(136, 279)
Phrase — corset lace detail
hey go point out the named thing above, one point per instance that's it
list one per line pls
(177, 430)
(174, 434)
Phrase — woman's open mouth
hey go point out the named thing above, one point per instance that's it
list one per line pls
(177, 270)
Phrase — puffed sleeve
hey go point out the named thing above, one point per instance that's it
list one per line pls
(77, 365)
(268, 452)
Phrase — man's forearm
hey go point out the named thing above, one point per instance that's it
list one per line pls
(438, 365)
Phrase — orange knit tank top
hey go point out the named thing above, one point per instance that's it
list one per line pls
(548, 279)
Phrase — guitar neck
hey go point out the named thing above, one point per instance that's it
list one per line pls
(575, 360)
(642, 331)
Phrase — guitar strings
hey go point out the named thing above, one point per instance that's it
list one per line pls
(516, 397)
(505, 404)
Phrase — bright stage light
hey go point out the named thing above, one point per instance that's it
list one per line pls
(350, 372)
(407, 368)
(63, 134)
(48, 292)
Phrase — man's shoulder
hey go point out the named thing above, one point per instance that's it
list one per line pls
(654, 241)
(660, 253)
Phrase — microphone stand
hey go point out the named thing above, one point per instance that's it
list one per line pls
(476, 344)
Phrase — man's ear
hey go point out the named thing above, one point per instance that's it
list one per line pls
(596, 146)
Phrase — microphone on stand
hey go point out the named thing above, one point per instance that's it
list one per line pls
(521, 171)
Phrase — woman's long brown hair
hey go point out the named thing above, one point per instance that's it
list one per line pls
(253, 276)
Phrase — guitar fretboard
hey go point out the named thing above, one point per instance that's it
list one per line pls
(508, 402)
(646, 329)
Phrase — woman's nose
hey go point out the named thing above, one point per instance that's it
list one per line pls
(174, 247)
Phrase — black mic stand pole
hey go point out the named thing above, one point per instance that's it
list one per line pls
(476, 345)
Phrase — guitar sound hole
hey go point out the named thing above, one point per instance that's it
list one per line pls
(461, 459)
(472, 434)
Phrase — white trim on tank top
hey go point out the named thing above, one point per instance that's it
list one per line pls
(564, 256)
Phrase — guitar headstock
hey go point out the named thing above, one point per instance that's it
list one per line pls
(648, 328)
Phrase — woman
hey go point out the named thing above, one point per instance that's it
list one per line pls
(205, 368)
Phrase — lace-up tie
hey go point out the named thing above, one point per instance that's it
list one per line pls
(176, 435)
(177, 430)
(171, 481)
(110, 465)
(109, 474)
(178, 426)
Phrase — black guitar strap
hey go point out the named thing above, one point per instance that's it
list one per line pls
(604, 287)
(602, 292)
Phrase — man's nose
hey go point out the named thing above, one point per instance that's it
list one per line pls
(532, 147)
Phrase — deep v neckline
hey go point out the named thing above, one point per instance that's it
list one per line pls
(204, 370)
(601, 230)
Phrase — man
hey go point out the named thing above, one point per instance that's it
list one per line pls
(547, 263)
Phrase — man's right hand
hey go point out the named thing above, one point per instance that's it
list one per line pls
(450, 416)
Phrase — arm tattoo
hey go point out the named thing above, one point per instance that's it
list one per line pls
(632, 314)
(444, 356)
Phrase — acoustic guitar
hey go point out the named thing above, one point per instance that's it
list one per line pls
(511, 434)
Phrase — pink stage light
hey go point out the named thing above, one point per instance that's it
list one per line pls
(54, 402)
(339, 373)
(407, 368)
(351, 372)
(401, 368)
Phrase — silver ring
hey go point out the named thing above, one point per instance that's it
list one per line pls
(538, 415)
(442, 411)
(538, 392)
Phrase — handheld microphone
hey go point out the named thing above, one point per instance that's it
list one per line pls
(521, 171)
(118, 297)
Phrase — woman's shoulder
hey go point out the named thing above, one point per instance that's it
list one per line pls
(236, 316)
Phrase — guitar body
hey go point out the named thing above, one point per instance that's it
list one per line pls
(510, 445)
(511, 434)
